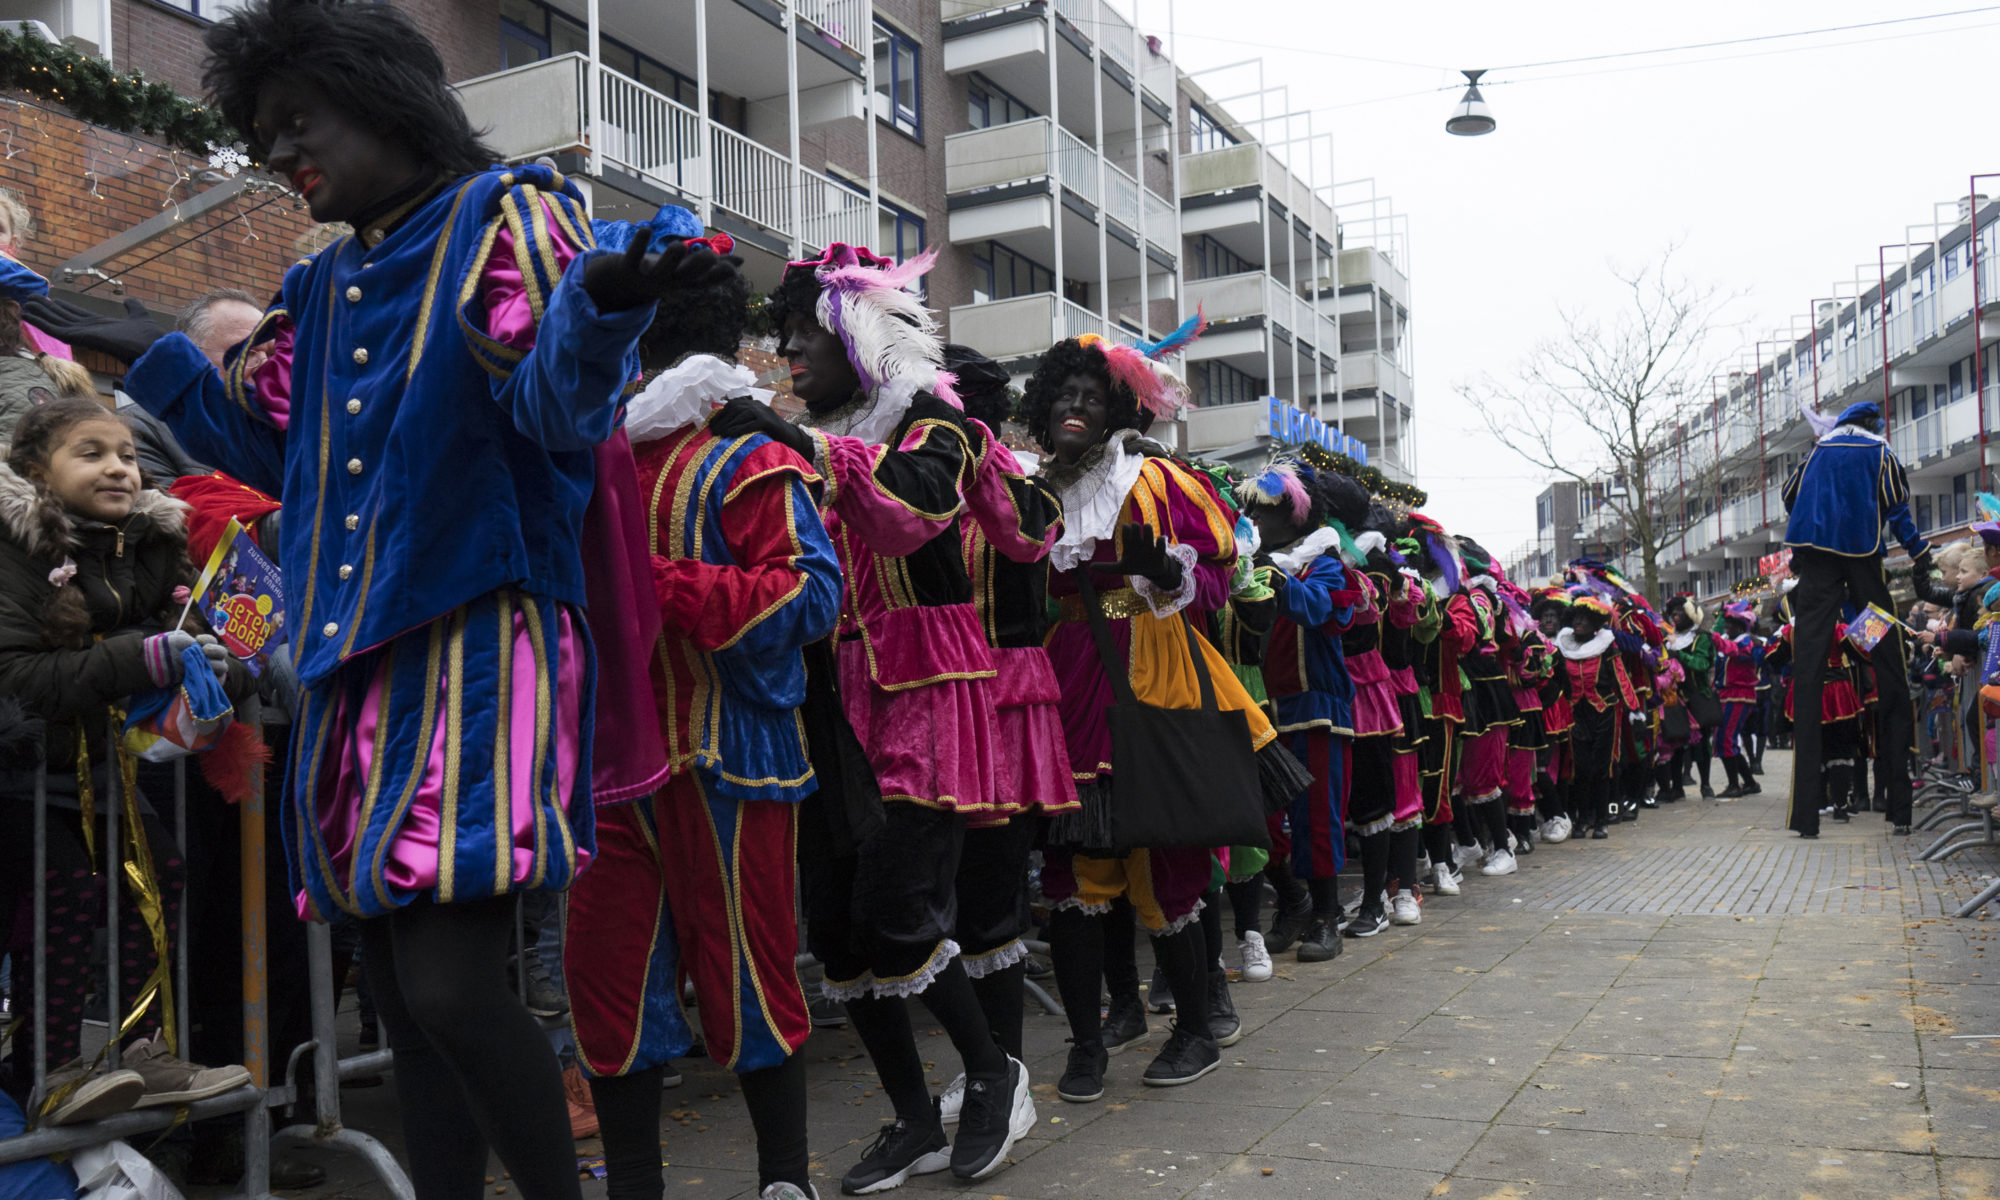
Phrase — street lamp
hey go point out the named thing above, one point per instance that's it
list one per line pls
(1471, 118)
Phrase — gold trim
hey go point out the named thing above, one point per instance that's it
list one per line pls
(418, 338)
(1119, 604)
(531, 613)
(503, 741)
(423, 755)
(454, 731)
(325, 452)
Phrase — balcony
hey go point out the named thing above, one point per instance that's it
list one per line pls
(543, 108)
(1252, 166)
(1259, 294)
(1373, 369)
(1021, 327)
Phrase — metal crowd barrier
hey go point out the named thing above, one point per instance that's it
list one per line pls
(259, 1097)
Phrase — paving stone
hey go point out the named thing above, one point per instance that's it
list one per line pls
(1326, 1131)
(1752, 1171)
(1297, 1179)
(1645, 1095)
(1619, 1164)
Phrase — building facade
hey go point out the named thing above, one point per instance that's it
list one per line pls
(1907, 331)
(1070, 176)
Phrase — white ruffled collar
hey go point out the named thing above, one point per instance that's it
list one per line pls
(1301, 553)
(872, 418)
(1092, 501)
(1680, 641)
(684, 393)
(1572, 649)
(1867, 435)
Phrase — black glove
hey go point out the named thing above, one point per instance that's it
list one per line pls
(1928, 589)
(123, 338)
(743, 416)
(1145, 555)
(617, 282)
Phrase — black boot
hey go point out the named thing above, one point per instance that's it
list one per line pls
(1735, 788)
(1223, 1023)
(1295, 908)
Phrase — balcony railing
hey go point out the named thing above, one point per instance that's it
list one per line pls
(543, 108)
(1121, 199)
(1159, 218)
(848, 22)
(1021, 325)
(1076, 165)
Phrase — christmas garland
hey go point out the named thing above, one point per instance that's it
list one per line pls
(1369, 477)
(90, 89)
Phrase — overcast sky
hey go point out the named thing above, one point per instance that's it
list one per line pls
(1778, 172)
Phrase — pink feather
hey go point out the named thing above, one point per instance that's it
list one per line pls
(896, 277)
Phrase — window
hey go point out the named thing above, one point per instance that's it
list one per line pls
(213, 10)
(1212, 258)
(902, 234)
(987, 105)
(1545, 511)
(1205, 132)
(531, 31)
(1000, 274)
(1220, 383)
(1924, 513)
(1961, 496)
(896, 91)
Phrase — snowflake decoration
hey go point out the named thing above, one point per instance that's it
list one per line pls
(227, 159)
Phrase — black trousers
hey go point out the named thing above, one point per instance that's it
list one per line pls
(1827, 582)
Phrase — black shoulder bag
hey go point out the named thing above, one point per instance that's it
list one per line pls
(1180, 777)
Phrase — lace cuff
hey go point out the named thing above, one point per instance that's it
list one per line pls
(1166, 603)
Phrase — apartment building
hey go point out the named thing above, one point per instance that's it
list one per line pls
(1907, 330)
(1072, 178)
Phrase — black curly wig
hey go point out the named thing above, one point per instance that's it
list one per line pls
(1063, 360)
(797, 292)
(704, 320)
(367, 60)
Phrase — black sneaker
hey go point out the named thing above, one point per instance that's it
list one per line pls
(898, 1152)
(997, 1113)
(1597, 833)
(1291, 925)
(1159, 996)
(1707, 792)
(824, 1011)
(1083, 1079)
(1223, 1023)
(1125, 1023)
(1185, 1058)
(1841, 814)
(1900, 831)
(1322, 941)
(1367, 923)
(1750, 787)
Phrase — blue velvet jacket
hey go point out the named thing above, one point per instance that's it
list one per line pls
(1305, 665)
(1840, 496)
(425, 463)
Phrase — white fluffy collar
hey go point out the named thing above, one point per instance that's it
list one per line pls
(1301, 553)
(1572, 649)
(1483, 582)
(1092, 501)
(684, 393)
(1680, 641)
(872, 418)
(1865, 435)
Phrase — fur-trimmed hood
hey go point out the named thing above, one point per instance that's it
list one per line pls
(35, 521)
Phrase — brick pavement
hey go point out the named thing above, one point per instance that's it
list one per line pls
(1702, 1006)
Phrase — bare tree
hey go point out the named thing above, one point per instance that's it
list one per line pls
(1607, 402)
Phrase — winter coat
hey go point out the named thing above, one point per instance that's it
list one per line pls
(126, 574)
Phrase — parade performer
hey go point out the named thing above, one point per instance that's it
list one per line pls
(1384, 801)
(1531, 663)
(436, 385)
(1601, 693)
(1473, 620)
(1302, 517)
(1837, 501)
(1741, 652)
(698, 879)
(1006, 550)
(1693, 648)
(1165, 544)
(910, 688)
(1840, 718)
(1240, 630)
(1555, 766)
(1441, 687)
(1412, 622)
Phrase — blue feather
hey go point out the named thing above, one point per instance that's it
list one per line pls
(1987, 506)
(1179, 339)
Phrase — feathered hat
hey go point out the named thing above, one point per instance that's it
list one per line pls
(670, 224)
(1138, 366)
(1549, 598)
(1684, 604)
(890, 337)
(1741, 610)
(1441, 548)
(1278, 485)
(1591, 602)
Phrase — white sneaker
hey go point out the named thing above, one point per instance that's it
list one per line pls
(1447, 881)
(952, 1101)
(1500, 862)
(1255, 958)
(1404, 909)
(1556, 830)
(788, 1191)
(1463, 856)
(1512, 843)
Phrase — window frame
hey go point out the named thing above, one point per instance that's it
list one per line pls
(981, 91)
(902, 48)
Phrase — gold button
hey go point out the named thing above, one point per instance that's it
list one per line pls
(330, 629)
(354, 406)
(360, 356)
(353, 295)
(353, 521)
(354, 466)
(376, 235)
(345, 570)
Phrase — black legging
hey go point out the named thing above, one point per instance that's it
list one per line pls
(628, 1114)
(473, 1071)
